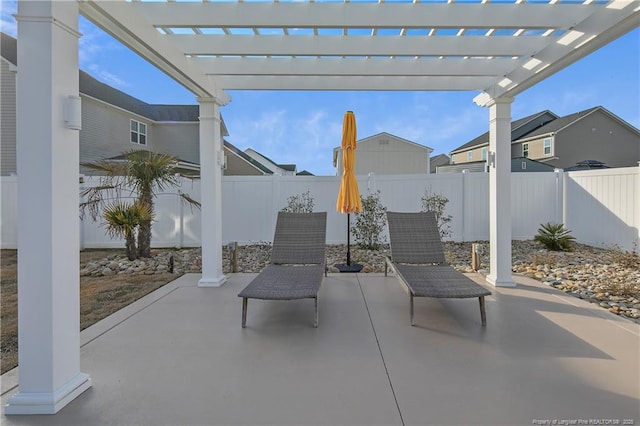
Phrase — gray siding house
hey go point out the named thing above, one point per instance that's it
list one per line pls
(114, 122)
(518, 164)
(561, 142)
(386, 154)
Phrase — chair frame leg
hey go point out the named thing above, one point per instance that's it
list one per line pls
(411, 309)
(315, 305)
(244, 312)
(483, 314)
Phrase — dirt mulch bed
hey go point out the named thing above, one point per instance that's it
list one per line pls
(99, 297)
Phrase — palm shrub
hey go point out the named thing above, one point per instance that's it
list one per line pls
(142, 175)
(300, 203)
(123, 220)
(555, 237)
(370, 222)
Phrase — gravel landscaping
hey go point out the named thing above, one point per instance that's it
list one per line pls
(610, 278)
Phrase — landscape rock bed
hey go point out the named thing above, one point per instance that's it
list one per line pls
(589, 273)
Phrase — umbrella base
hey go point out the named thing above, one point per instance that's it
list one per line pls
(343, 267)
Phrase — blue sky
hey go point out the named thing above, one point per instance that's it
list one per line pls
(304, 127)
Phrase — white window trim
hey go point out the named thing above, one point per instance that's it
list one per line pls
(544, 147)
(138, 132)
(525, 152)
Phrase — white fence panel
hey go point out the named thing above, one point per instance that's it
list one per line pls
(176, 224)
(9, 212)
(476, 210)
(602, 207)
(533, 202)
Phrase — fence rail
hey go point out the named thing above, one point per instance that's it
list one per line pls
(601, 208)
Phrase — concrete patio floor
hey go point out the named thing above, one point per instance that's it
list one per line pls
(180, 357)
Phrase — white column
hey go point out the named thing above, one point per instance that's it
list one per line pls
(211, 165)
(500, 193)
(48, 197)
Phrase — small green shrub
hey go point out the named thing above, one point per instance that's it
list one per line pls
(437, 203)
(370, 223)
(300, 203)
(555, 237)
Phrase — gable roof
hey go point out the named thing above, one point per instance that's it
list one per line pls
(398, 138)
(96, 89)
(562, 123)
(438, 160)
(553, 125)
(247, 158)
(90, 86)
(9, 48)
(517, 130)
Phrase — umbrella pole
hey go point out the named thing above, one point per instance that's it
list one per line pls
(348, 240)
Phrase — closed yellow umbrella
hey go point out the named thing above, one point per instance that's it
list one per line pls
(349, 194)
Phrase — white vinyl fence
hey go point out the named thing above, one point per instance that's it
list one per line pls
(601, 208)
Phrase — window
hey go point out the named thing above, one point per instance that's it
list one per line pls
(469, 156)
(138, 132)
(525, 150)
(484, 154)
(547, 146)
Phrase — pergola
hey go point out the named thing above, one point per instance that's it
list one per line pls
(497, 48)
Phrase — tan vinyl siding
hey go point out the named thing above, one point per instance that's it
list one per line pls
(463, 157)
(536, 149)
(385, 154)
(178, 139)
(237, 166)
(106, 131)
(8, 119)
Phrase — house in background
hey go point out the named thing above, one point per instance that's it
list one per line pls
(561, 142)
(518, 164)
(114, 122)
(437, 161)
(386, 154)
(272, 166)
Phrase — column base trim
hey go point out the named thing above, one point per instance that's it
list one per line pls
(212, 282)
(48, 402)
(500, 282)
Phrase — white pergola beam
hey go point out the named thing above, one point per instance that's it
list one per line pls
(355, 45)
(597, 31)
(369, 83)
(142, 38)
(356, 66)
(363, 15)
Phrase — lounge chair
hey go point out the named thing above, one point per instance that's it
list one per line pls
(297, 262)
(417, 256)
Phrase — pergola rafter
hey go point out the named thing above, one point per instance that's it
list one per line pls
(499, 48)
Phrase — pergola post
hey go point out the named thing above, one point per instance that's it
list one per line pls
(48, 120)
(500, 192)
(211, 166)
